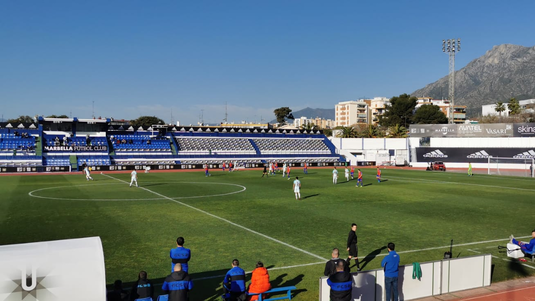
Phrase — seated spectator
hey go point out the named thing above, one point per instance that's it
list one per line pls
(259, 281)
(524, 246)
(177, 284)
(234, 283)
(118, 294)
(142, 288)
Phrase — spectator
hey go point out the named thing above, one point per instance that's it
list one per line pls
(259, 281)
(524, 246)
(234, 283)
(391, 266)
(340, 283)
(180, 255)
(118, 293)
(330, 266)
(142, 288)
(177, 284)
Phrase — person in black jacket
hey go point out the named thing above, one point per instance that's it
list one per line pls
(340, 283)
(142, 288)
(177, 285)
(352, 246)
(330, 266)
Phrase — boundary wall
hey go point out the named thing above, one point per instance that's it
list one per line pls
(456, 152)
(438, 277)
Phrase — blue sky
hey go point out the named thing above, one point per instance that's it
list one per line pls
(187, 58)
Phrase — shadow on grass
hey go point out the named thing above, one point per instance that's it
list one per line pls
(384, 180)
(311, 196)
(368, 258)
(517, 267)
(279, 282)
(368, 184)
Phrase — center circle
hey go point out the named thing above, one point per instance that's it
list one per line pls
(52, 192)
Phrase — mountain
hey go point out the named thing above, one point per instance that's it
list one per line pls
(312, 113)
(503, 72)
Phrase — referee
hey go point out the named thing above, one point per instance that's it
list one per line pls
(352, 246)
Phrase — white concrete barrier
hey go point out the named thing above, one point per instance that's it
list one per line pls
(438, 277)
(71, 269)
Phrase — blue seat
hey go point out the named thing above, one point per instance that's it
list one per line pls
(144, 299)
(287, 289)
(163, 298)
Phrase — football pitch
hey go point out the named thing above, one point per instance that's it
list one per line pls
(241, 215)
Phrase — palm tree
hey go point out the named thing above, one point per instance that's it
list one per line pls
(500, 107)
(397, 131)
(347, 132)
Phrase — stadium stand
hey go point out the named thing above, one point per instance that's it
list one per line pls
(71, 142)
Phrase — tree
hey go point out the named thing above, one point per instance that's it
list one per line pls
(513, 106)
(399, 111)
(22, 119)
(429, 114)
(57, 116)
(500, 107)
(282, 114)
(397, 131)
(310, 126)
(347, 132)
(146, 121)
(369, 131)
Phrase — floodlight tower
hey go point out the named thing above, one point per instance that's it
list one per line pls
(451, 46)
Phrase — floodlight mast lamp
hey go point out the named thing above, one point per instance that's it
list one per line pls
(451, 46)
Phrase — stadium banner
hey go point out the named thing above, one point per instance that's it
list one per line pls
(475, 155)
(463, 130)
(71, 269)
(76, 148)
(433, 130)
(24, 169)
(524, 129)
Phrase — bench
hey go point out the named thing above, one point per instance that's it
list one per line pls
(287, 289)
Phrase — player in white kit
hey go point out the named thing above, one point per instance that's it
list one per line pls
(87, 173)
(346, 173)
(133, 178)
(297, 188)
(335, 175)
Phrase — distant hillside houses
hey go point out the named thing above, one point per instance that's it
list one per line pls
(526, 105)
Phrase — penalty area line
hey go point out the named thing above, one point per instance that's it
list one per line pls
(224, 220)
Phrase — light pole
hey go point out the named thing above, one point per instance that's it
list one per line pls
(451, 46)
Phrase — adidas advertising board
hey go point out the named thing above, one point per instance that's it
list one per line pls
(71, 269)
(475, 155)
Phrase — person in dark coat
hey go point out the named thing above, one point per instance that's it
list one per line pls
(142, 288)
(341, 284)
(177, 285)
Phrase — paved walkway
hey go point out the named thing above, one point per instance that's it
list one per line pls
(513, 290)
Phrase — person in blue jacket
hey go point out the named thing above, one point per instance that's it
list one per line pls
(234, 283)
(524, 246)
(180, 255)
(178, 284)
(390, 265)
(341, 283)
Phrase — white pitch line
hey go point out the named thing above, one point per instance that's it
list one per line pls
(457, 245)
(504, 259)
(271, 269)
(460, 183)
(225, 220)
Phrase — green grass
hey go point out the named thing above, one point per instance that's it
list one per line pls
(415, 209)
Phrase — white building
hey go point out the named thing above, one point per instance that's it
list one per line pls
(491, 109)
(352, 112)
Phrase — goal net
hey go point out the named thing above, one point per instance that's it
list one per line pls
(509, 166)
